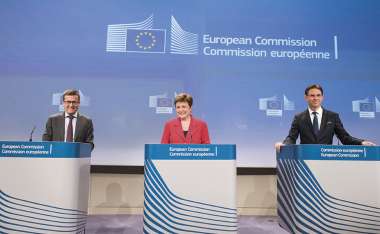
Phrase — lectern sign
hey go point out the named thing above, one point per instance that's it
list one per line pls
(192, 152)
(43, 149)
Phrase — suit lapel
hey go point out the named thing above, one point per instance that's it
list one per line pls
(323, 122)
(193, 128)
(178, 129)
(61, 127)
(78, 128)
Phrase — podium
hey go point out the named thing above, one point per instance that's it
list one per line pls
(329, 189)
(44, 187)
(190, 189)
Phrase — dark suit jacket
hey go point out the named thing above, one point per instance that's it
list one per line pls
(55, 129)
(330, 125)
(197, 133)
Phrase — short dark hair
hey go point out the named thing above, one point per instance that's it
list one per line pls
(313, 86)
(184, 97)
(70, 92)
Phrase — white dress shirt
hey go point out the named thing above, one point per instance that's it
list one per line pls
(67, 120)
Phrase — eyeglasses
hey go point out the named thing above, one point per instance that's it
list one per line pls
(71, 102)
(314, 95)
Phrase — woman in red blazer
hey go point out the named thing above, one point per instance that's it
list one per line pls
(185, 129)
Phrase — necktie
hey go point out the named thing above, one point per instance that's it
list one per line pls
(315, 123)
(69, 132)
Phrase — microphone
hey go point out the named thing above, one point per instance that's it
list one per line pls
(31, 133)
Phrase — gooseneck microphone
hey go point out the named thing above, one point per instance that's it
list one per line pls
(31, 134)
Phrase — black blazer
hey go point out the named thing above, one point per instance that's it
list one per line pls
(330, 125)
(55, 129)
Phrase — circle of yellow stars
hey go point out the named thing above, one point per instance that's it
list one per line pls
(149, 45)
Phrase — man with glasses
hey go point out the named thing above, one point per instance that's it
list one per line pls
(69, 126)
(317, 125)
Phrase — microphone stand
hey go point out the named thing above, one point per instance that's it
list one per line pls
(31, 134)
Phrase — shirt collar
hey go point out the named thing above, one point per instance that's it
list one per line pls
(319, 111)
(75, 115)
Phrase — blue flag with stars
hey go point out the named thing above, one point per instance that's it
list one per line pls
(146, 40)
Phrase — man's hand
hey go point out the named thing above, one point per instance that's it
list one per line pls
(278, 146)
(368, 143)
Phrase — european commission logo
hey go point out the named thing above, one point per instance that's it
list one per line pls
(366, 107)
(161, 103)
(146, 41)
(141, 37)
(274, 106)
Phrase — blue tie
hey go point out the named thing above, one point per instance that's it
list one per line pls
(315, 123)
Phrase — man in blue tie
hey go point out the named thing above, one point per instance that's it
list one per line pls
(69, 126)
(317, 125)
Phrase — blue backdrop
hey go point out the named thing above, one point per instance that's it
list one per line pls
(246, 63)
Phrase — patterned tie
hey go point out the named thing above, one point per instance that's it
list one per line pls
(69, 133)
(315, 123)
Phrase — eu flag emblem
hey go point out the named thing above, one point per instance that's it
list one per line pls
(164, 102)
(273, 105)
(146, 40)
(366, 107)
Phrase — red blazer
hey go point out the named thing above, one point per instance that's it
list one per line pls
(197, 134)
